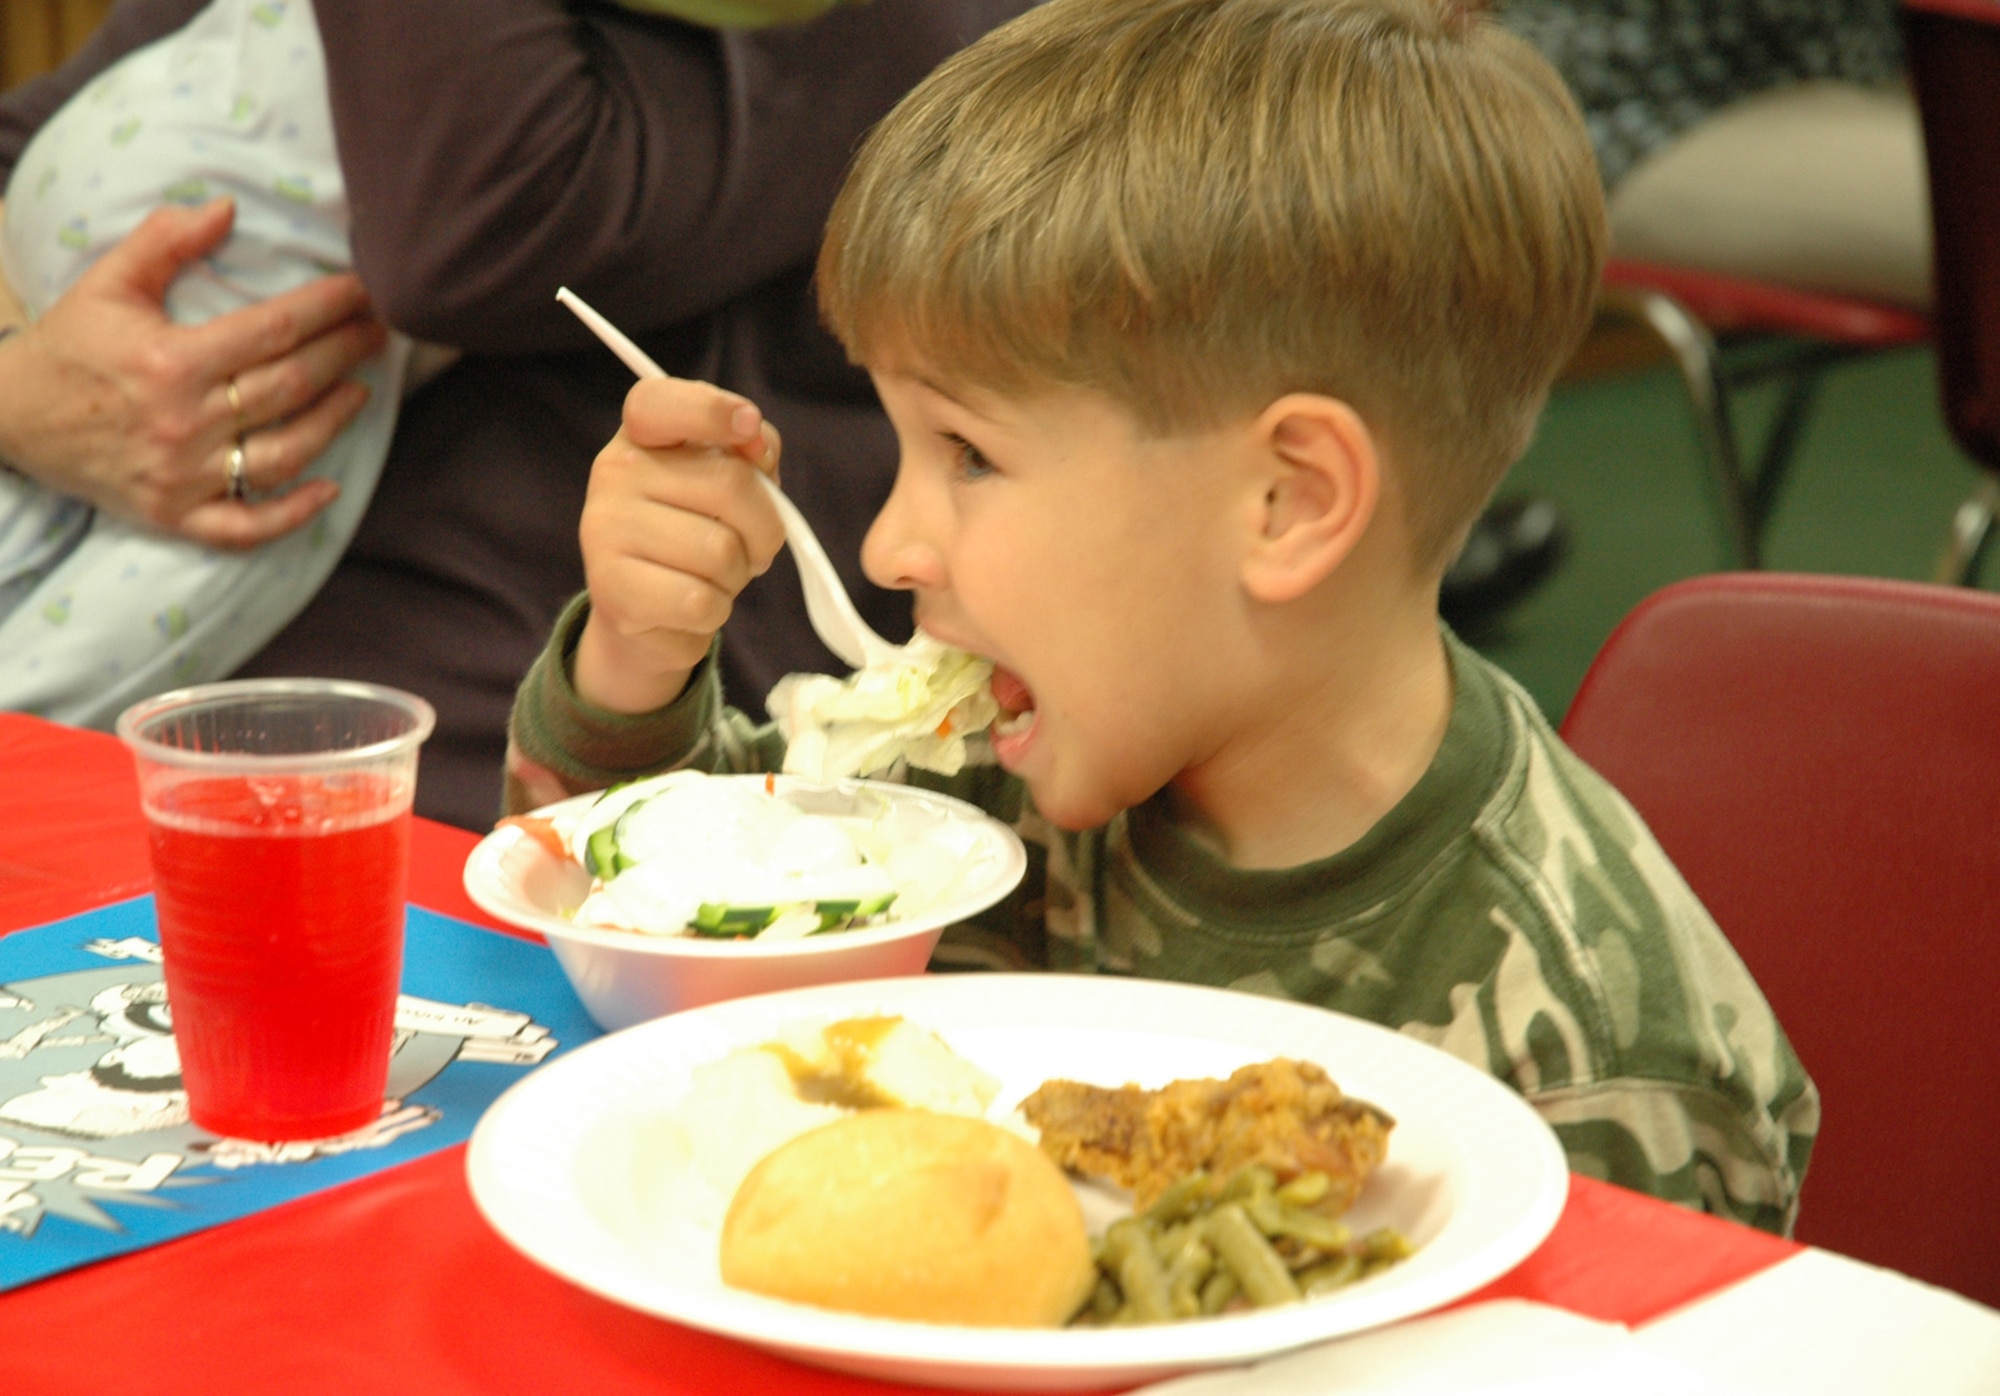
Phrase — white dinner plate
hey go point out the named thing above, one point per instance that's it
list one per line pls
(558, 1165)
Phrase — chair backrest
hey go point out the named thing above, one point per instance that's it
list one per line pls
(1820, 756)
(1734, 305)
(1953, 51)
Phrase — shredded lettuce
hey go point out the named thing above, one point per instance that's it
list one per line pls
(921, 708)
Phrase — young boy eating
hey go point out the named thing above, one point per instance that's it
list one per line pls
(1207, 328)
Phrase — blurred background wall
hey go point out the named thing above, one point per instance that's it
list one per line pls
(35, 35)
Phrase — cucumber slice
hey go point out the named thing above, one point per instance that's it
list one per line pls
(620, 831)
(601, 855)
(835, 914)
(731, 922)
(726, 922)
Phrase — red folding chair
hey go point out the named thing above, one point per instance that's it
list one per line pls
(1774, 332)
(1795, 335)
(1819, 756)
(1953, 49)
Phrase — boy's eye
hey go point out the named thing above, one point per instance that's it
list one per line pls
(971, 463)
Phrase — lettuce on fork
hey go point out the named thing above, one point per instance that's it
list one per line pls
(921, 707)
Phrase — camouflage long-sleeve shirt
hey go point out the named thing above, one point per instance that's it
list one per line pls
(1512, 909)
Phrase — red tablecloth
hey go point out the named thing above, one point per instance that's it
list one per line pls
(394, 1284)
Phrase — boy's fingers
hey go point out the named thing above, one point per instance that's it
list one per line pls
(674, 603)
(763, 531)
(764, 449)
(681, 411)
(720, 491)
(677, 535)
(698, 477)
(646, 600)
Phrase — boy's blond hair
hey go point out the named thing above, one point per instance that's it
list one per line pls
(1197, 206)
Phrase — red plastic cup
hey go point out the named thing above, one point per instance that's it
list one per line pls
(279, 815)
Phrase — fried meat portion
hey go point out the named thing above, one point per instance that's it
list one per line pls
(1286, 1115)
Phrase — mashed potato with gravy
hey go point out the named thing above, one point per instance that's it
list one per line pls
(742, 1106)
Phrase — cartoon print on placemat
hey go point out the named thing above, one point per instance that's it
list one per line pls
(54, 1091)
(95, 1139)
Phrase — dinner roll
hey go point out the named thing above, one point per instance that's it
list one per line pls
(913, 1215)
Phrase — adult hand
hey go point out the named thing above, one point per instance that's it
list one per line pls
(105, 399)
(674, 525)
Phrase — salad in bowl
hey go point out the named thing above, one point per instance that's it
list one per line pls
(688, 888)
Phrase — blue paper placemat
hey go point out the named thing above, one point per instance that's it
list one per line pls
(97, 1156)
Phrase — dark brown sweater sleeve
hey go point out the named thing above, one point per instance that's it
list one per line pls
(497, 149)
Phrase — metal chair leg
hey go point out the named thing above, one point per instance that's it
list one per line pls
(1774, 463)
(1693, 351)
(1971, 535)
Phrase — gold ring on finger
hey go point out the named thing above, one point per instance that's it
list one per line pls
(235, 397)
(238, 483)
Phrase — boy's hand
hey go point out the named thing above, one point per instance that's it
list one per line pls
(674, 525)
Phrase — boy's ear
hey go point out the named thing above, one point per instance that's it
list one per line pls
(1323, 481)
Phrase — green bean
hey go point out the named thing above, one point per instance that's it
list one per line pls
(1183, 1198)
(1168, 1239)
(1218, 1289)
(1244, 1250)
(1188, 1266)
(1137, 1268)
(1386, 1244)
(1305, 1189)
(1262, 1209)
(1192, 1253)
(1330, 1275)
(1254, 1180)
(1201, 1245)
(1316, 1229)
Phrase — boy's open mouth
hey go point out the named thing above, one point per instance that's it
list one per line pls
(1017, 704)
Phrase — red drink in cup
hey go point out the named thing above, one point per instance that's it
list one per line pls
(291, 942)
(280, 820)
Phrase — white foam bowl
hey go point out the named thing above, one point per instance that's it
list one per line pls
(625, 978)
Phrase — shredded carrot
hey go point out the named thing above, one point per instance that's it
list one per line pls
(542, 831)
(770, 784)
(944, 728)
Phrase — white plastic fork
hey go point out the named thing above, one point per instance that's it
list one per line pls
(828, 605)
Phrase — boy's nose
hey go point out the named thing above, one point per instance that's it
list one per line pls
(895, 554)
